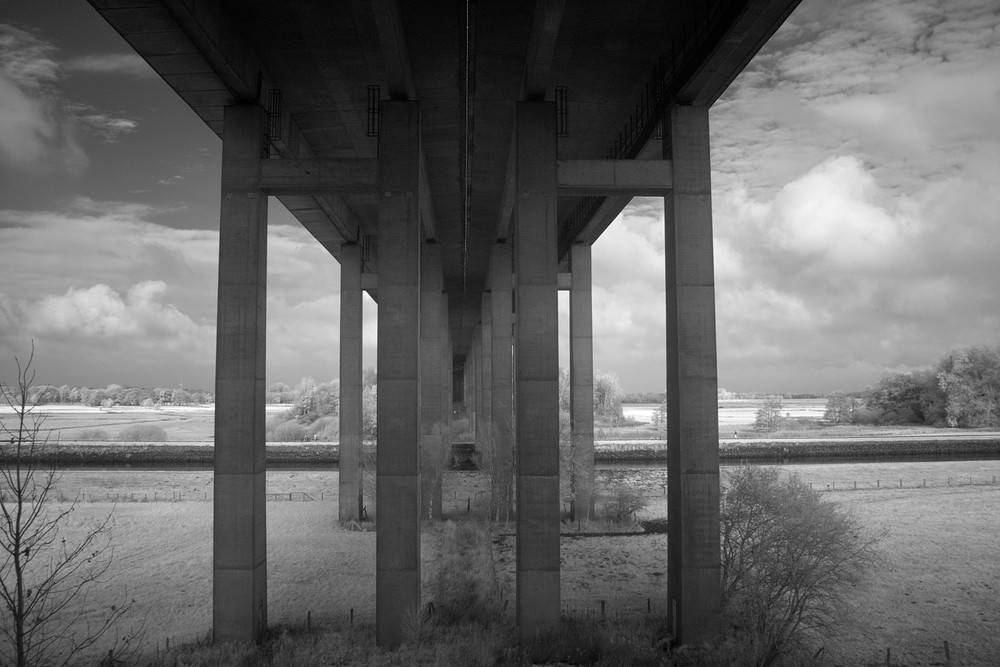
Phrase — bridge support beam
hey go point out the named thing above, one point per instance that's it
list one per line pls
(432, 420)
(239, 556)
(693, 571)
(351, 326)
(485, 428)
(397, 545)
(581, 374)
(502, 394)
(537, 370)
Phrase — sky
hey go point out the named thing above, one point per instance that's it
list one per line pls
(856, 212)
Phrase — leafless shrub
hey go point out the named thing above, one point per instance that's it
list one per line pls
(788, 560)
(44, 578)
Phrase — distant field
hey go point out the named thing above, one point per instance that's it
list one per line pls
(737, 412)
(183, 424)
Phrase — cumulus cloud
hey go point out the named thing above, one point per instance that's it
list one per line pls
(138, 316)
(102, 284)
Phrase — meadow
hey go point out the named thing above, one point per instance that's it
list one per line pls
(940, 580)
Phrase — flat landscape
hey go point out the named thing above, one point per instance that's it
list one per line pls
(939, 582)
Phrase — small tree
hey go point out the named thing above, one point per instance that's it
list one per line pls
(41, 573)
(840, 408)
(769, 416)
(788, 561)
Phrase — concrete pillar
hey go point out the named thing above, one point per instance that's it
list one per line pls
(693, 583)
(239, 557)
(536, 369)
(446, 366)
(485, 430)
(432, 427)
(581, 372)
(397, 546)
(474, 387)
(351, 421)
(502, 394)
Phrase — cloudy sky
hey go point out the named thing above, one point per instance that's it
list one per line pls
(856, 209)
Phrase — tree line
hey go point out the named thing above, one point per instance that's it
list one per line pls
(961, 390)
(116, 394)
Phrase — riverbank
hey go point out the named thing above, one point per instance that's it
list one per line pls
(327, 455)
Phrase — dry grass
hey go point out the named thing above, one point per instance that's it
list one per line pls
(940, 582)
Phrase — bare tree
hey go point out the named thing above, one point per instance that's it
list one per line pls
(788, 561)
(45, 578)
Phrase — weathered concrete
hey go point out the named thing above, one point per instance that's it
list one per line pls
(502, 451)
(537, 370)
(485, 420)
(239, 558)
(397, 549)
(581, 373)
(351, 421)
(693, 568)
(433, 449)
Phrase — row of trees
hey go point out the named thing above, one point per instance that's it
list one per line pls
(116, 394)
(961, 390)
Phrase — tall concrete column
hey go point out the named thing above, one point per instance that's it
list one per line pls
(693, 583)
(351, 421)
(581, 373)
(473, 388)
(503, 388)
(446, 366)
(397, 546)
(432, 426)
(485, 430)
(536, 369)
(239, 559)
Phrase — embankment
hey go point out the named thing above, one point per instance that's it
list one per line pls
(286, 455)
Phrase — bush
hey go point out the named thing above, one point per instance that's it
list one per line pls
(92, 434)
(289, 431)
(143, 433)
(622, 504)
(788, 560)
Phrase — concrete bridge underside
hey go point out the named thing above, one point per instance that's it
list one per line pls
(459, 159)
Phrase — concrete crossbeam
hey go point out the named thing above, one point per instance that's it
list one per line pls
(239, 560)
(536, 366)
(693, 570)
(581, 377)
(351, 374)
(313, 176)
(633, 178)
(397, 547)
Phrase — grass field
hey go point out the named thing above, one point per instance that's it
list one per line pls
(940, 581)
